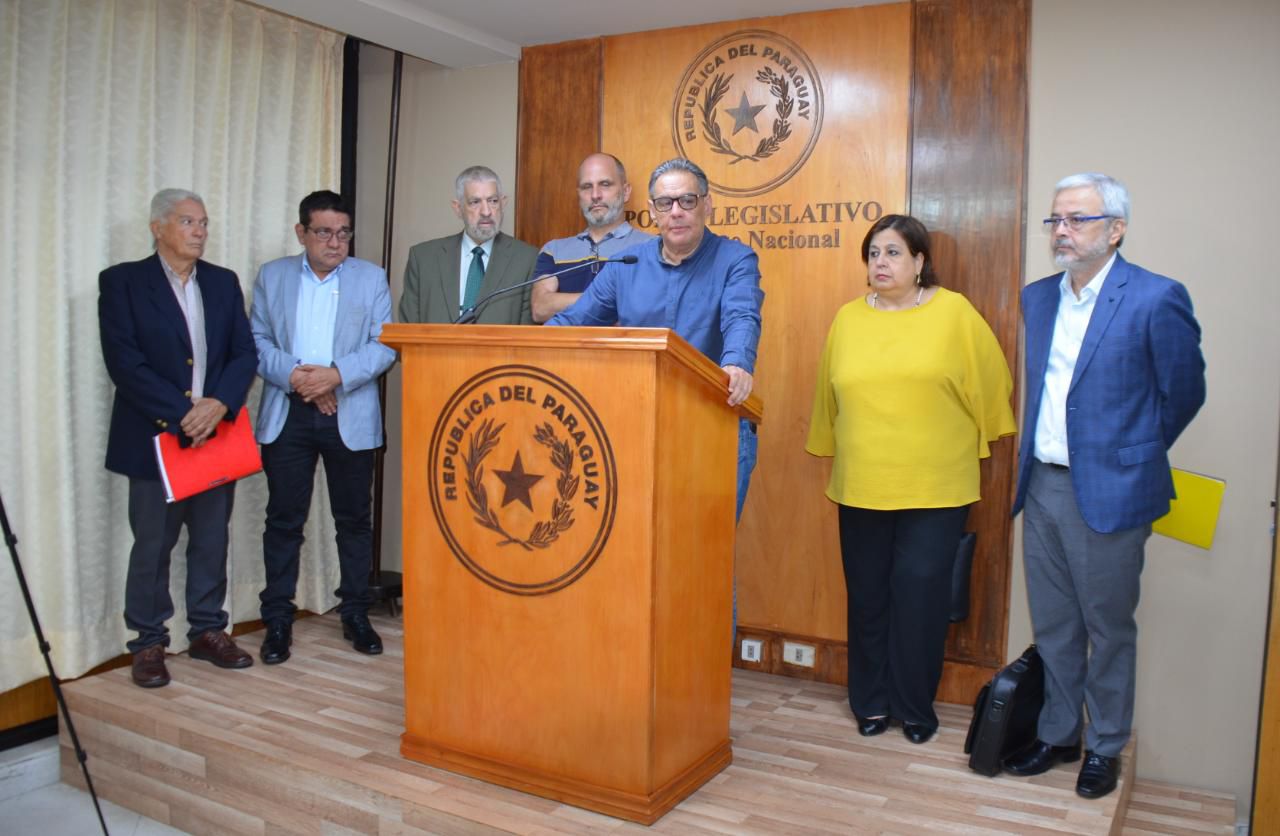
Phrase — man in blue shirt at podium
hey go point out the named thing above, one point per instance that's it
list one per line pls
(701, 285)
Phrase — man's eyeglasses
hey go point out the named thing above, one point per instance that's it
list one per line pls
(687, 202)
(324, 233)
(1073, 222)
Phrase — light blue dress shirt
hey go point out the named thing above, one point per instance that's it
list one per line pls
(317, 312)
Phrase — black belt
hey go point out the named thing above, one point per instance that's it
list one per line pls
(1054, 465)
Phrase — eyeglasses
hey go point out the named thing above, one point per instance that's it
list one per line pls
(687, 202)
(324, 233)
(1073, 222)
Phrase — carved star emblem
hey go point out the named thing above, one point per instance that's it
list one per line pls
(516, 483)
(744, 115)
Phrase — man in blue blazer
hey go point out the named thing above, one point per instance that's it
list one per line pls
(1114, 375)
(316, 319)
(177, 347)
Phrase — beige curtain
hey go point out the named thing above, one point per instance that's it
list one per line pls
(102, 103)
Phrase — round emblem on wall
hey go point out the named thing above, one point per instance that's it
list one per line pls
(748, 110)
(523, 480)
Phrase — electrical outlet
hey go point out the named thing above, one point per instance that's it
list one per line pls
(752, 650)
(798, 654)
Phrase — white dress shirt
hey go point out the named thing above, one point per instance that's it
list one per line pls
(192, 304)
(1068, 334)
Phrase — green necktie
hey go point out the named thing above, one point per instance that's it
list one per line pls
(475, 274)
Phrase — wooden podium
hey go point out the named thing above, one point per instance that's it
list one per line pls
(568, 560)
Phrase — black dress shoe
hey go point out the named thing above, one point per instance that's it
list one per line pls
(871, 726)
(358, 630)
(1041, 757)
(275, 646)
(1098, 775)
(917, 732)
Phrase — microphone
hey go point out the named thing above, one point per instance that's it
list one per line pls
(470, 314)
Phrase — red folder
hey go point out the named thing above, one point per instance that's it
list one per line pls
(230, 455)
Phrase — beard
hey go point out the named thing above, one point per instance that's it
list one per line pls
(480, 234)
(1080, 255)
(611, 215)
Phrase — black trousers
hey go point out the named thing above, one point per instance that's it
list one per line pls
(290, 465)
(897, 572)
(156, 525)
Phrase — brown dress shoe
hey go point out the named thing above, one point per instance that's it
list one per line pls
(148, 667)
(217, 647)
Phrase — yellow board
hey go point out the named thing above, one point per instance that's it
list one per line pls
(1193, 516)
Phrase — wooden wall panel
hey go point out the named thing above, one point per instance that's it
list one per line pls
(925, 109)
(558, 125)
(788, 561)
(968, 171)
(961, 144)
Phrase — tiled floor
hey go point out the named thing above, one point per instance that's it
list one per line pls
(33, 803)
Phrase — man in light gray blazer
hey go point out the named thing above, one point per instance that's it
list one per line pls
(446, 277)
(316, 319)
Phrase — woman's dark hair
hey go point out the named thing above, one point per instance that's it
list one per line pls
(916, 236)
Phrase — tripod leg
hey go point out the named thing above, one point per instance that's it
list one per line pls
(12, 542)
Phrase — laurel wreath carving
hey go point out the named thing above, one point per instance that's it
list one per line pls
(545, 532)
(716, 91)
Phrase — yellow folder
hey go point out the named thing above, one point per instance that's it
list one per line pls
(1193, 516)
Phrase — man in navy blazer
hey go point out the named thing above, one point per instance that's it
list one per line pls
(177, 347)
(316, 320)
(445, 276)
(1114, 375)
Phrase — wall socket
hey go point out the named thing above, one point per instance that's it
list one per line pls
(798, 654)
(752, 650)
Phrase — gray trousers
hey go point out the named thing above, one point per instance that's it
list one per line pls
(1082, 588)
(156, 526)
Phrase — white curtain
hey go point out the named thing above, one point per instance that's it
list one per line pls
(102, 103)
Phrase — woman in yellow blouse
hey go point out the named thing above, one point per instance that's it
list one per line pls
(912, 388)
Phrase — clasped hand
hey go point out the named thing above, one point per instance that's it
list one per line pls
(316, 385)
(202, 419)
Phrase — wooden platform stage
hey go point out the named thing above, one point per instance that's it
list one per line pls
(312, 747)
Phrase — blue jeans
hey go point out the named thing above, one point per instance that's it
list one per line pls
(748, 444)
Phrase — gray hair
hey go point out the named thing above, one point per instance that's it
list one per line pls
(167, 200)
(679, 164)
(1115, 197)
(474, 174)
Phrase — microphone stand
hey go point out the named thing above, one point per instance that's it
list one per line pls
(12, 542)
(472, 312)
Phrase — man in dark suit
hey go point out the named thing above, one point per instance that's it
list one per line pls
(1114, 375)
(445, 276)
(177, 346)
